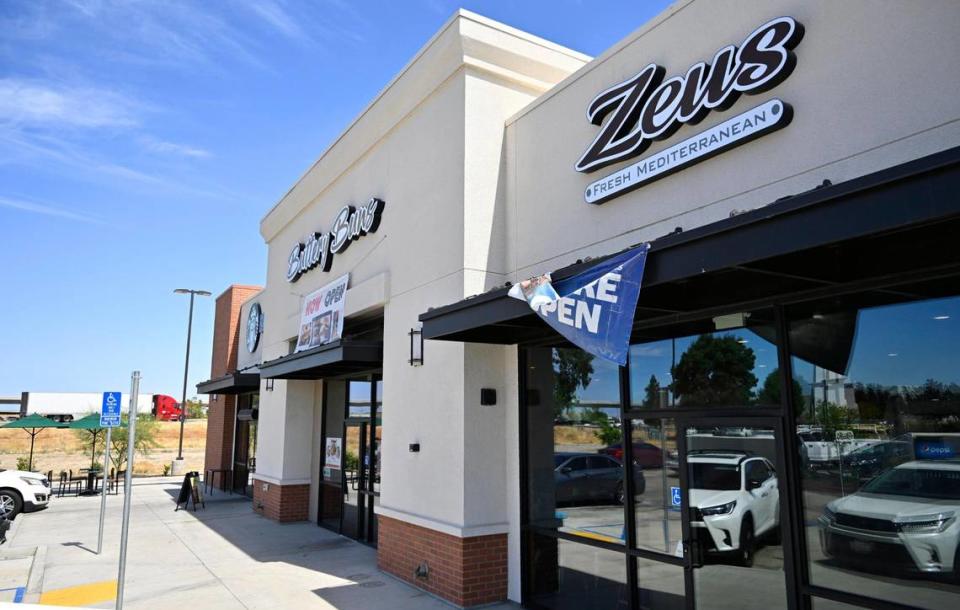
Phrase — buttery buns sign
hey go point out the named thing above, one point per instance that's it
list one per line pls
(350, 224)
(646, 108)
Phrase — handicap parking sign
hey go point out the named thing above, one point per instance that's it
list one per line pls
(675, 496)
(110, 410)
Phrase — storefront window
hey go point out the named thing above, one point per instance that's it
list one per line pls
(878, 401)
(575, 444)
(726, 361)
(655, 470)
(565, 575)
(661, 586)
(359, 399)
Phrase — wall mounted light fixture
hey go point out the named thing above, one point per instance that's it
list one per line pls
(269, 385)
(416, 346)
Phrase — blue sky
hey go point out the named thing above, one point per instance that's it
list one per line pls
(141, 143)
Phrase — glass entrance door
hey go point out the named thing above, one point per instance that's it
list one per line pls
(360, 487)
(245, 443)
(354, 474)
(731, 487)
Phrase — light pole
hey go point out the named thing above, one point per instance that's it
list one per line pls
(177, 467)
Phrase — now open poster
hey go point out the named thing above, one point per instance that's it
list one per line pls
(321, 319)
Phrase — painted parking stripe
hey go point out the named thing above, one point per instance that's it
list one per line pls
(81, 595)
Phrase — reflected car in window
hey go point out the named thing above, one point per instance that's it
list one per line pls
(871, 460)
(734, 499)
(581, 478)
(646, 455)
(906, 519)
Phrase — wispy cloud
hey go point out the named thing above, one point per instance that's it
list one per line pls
(152, 144)
(277, 17)
(648, 351)
(48, 210)
(32, 102)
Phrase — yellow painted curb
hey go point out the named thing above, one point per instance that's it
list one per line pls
(600, 537)
(81, 595)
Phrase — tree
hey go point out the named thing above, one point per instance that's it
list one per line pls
(572, 368)
(715, 371)
(609, 433)
(95, 439)
(770, 392)
(196, 409)
(651, 399)
(146, 439)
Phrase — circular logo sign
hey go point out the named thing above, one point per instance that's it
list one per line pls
(254, 327)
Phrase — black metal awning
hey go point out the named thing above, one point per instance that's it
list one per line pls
(341, 357)
(898, 224)
(231, 383)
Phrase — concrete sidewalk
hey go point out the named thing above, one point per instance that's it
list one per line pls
(221, 557)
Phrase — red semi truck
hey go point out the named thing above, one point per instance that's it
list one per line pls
(69, 406)
(165, 408)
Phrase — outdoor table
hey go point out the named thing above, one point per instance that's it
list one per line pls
(224, 485)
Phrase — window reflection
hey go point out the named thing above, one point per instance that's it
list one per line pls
(661, 585)
(566, 575)
(730, 362)
(657, 519)
(879, 432)
(575, 447)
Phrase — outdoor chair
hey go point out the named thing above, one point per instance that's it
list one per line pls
(114, 482)
(79, 479)
(68, 485)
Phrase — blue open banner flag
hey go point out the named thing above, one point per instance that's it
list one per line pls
(592, 309)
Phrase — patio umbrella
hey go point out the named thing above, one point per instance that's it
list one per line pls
(33, 424)
(90, 422)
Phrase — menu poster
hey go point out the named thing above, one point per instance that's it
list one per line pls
(321, 320)
(332, 453)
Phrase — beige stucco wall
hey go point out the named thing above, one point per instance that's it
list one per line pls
(431, 147)
(874, 86)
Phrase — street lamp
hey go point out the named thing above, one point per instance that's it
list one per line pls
(177, 466)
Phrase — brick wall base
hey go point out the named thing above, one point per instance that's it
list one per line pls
(464, 571)
(281, 502)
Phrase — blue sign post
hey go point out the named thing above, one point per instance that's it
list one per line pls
(675, 497)
(109, 419)
(110, 410)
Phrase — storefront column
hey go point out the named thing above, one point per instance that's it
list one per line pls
(281, 487)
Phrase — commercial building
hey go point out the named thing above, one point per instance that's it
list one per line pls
(790, 170)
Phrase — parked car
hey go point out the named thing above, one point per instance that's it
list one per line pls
(874, 459)
(646, 455)
(22, 491)
(905, 519)
(588, 477)
(822, 451)
(734, 500)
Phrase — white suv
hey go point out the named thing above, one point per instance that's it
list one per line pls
(907, 518)
(22, 491)
(734, 498)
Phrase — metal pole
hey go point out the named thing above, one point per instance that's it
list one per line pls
(103, 491)
(33, 437)
(127, 486)
(186, 367)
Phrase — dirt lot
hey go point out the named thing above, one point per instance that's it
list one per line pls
(58, 449)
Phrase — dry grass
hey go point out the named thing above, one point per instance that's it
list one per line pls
(60, 449)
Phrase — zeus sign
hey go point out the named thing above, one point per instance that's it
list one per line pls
(646, 108)
(350, 224)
